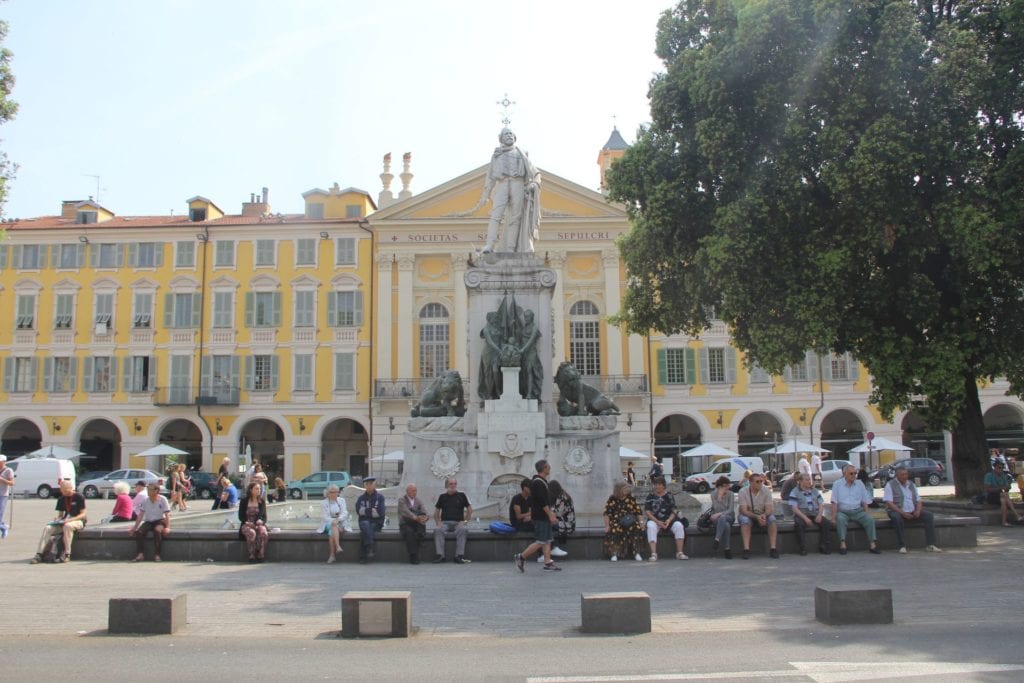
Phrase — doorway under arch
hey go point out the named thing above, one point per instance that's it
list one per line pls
(758, 432)
(20, 437)
(266, 442)
(100, 442)
(926, 442)
(183, 435)
(344, 446)
(674, 434)
(841, 430)
(1004, 429)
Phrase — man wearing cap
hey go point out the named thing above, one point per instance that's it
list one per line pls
(6, 482)
(370, 510)
(451, 514)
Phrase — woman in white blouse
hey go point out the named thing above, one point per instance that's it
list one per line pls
(333, 514)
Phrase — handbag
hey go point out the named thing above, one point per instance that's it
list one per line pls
(627, 520)
(704, 521)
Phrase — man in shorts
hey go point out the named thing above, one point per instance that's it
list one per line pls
(543, 520)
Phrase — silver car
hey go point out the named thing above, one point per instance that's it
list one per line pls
(831, 470)
(104, 486)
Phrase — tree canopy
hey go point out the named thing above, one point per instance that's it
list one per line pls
(8, 108)
(844, 175)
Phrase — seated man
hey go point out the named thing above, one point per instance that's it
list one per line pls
(850, 500)
(69, 519)
(154, 516)
(660, 508)
(451, 513)
(412, 522)
(757, 507)
(997, 492)
(519, 508)
(808, 508)
(903, 505)
(370, 510)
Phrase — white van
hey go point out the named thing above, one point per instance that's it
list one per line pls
(702, 482)
(40, 476)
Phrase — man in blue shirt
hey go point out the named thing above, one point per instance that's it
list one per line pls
(370, 509)
(850, 501)
(997, 492)
(808, 508)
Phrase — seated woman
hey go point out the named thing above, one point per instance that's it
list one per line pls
(333, 515)
(122, 504)
(252, 513)
(623, 525)
(722, 514)
(565, 511)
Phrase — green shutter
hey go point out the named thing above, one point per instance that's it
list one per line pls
(854, 367)
(358, 307)
(3, 256)
(152, 374)
(236, 382)
(133, 254)
(206, 375)
(250, 310)
(705, 375)
(113, 373)
(332, 309)
(158, 254)
(16, 256)
(343, 379)
(48, 374)
(33, 374)
(119, 251)
(691, 366)
(87, 378)
(129, 374)
(662, 367)
(275, 371)
(168, 311)
(73, 373)
(247, 374)
(197, 309)
(8, 375)
(277, 309)
(730, 365)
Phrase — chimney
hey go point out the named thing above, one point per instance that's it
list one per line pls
(68, 208)
(406, 176)
(386, 197)
(257, 205)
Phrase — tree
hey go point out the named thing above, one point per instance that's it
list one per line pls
(844, 175)
(8, 108)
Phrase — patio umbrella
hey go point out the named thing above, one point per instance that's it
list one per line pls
(794, 446)
(53, 451)
(630, 454)
(161, 449)
(708, 448)
(880, 444)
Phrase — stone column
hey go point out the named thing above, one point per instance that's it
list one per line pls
(406, 262)
(556, 261)
(459, 319)
(382, 338)
(613, 300)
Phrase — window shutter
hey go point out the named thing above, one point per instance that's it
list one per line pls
(87, 378)
(691, 366)
(113, 373)
(249, 368)
(3, 256)
(129, 374)
(33, 374)
(662, 367)
(332, 309)
(343, 372)
(206, 375)
(236, 363)
(358, 308)
(48, 374)
(73, 375)
(158, 254)
(250, 307)
(275, 368)
(151, 385)
(16, 256)
(197, 309)
(854, 367)
(730, 365)
(812, 366)
(8, 375)
(120, 256)
(168, 311)
(787, 373)
(277, 310)
(133, 254)
(705, 375)
(54, 256)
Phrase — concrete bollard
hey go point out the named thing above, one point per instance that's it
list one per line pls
(846, 605)
(376, 613)
(147, 615)
(627, 612)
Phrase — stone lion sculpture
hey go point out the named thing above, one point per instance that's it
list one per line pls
(578, 398)
(443, 398)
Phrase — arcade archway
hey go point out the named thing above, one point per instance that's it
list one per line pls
(344, 446)
(673, 435)
(100, 441)
(20, 437)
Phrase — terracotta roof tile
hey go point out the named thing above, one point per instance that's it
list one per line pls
(135, 222)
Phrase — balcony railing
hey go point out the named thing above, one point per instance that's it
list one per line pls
(191, 396)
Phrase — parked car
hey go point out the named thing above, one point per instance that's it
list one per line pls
(104, 486)
(926, 469)
(86, 476)
(316, 483)
(733, 468)
(832, 470)
(204, 484)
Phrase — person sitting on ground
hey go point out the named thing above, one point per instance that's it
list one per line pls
(757, 507)
(809, 508)
(452, 513)
(412, 522)
(997, 492)
(228, 494)
(333, 515)
(723, 501)
(623, 525)
(519, 509)
(903, 505)
(155, 517)
(850, 500)
(660, 508)
(122, 503)
(70, 518)
(252, 513)
(565, 519)
(370, 510)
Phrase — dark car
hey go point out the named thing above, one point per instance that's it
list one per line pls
(204, 485)
(927, 470)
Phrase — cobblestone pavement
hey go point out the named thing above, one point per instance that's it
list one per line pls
(492, 599)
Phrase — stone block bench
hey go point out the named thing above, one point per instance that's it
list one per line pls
(845, 605)
(113, 542)
(628, 612)
(376, 613)
(147, 615)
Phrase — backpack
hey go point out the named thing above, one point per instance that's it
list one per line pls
(502, 529)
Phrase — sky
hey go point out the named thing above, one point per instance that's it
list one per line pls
(168, 99)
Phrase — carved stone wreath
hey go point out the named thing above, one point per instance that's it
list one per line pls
(445, 462)
(578, 461)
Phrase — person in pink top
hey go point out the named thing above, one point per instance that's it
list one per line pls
(122, 504)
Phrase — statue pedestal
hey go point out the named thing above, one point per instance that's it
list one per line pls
(511, 426)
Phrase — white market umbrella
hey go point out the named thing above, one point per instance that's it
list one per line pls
(709, 449)
(52, 451)
(880, 444)
(161, 449)
(630, 454)
(393, 456)
(794, 446)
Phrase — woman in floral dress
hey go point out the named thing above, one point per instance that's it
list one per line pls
(623, 525)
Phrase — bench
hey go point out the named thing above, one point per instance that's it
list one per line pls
(161, 616)
(376, 613)
(837, 606)
(626, 612)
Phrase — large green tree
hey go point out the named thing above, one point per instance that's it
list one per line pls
(844, 175)
(8, 108)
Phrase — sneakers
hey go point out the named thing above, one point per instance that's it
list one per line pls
(557, 552)
(652, 558)
(638, 558)
(461, 559)
(615, 558)
(540, 558)
(438, 559)
(681, 556)
(520, 562)
(842, 550)
(774, 554)
(37, 559)
(933, 549)
(902, 550)
(552, 567)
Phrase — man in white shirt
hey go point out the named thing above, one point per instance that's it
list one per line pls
(903, 505)
(155, 516)
(816, 469)
(137, 498)
(6, 482)
(803, 466)
(850, 501)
